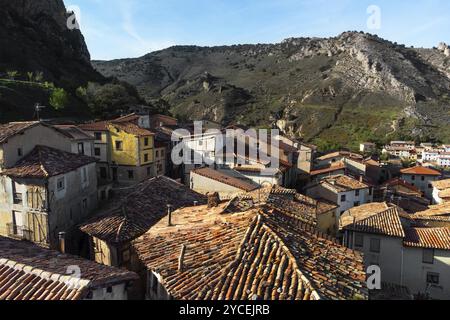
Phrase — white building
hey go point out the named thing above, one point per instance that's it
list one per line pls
(343, 191)
(375, 229)
(421, 178)
(417, 258)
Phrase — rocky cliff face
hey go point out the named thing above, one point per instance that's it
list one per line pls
(34, 37)
(335, 91)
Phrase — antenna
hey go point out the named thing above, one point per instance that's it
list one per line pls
(38, 107)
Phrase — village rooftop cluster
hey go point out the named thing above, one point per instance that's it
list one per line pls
(99, 211)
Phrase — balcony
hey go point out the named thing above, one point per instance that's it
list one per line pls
(19, 232)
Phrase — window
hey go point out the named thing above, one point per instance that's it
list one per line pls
(109, 290)
(18, 198)
(413, 178)
(430, 186)
(103, 173)
(432, 278)
(157, 153)
(130, 174)
(359, 240)
(98, 136)
(343, 198)
(84, 175)
(19, 152)
(81, 148)
(85, 204)
(149, 172)
(146, 142)
(356, 204)
(146, 157)
(162, 153)
(119, 145)
(423, 178)
(375, 245)
(103, 195)
(97, 152)
(370, 191)
(60, 184)
(357, 192)
(200, 143)
(428, 256)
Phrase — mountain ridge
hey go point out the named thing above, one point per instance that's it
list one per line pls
(326, 90)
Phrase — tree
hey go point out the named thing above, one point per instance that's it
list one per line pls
(30, 76)
(38, 76)
(12, 75)
(58, 98)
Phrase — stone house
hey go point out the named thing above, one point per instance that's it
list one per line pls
(47, 192)
(132, 213)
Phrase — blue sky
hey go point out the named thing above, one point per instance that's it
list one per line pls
(131, 28)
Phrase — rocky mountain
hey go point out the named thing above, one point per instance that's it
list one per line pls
(38, 53)
(334, 92)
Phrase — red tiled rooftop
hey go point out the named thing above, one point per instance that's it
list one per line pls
(45, 162)
(429, 238)
(29, 272)
(420, 171)
(256, 254)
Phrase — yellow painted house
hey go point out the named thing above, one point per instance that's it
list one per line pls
(132, 152)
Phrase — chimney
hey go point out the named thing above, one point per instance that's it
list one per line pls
(195, 203)
(62, 242)
(169, 215)
(181, 258)
(213, 200)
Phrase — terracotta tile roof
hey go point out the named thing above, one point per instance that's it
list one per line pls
(95, 126)
(301, 207)
(421, 171)
(436, 210)
(221, 176)
(257, 254)
(340, 166)
(29, 272)
(403, 183)
(127, 118)
(11, 129)
(73, 132)
(132, 128)
(340, 154)
(391, 291)
(45, 162)
(362, 212)
(386, 222)
(430, 238)
(342, 183)
(442, 184)
(131, 214)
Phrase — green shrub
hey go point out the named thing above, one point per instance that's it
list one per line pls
(58, 98)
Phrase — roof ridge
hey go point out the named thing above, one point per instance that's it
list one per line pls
(286, 249)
